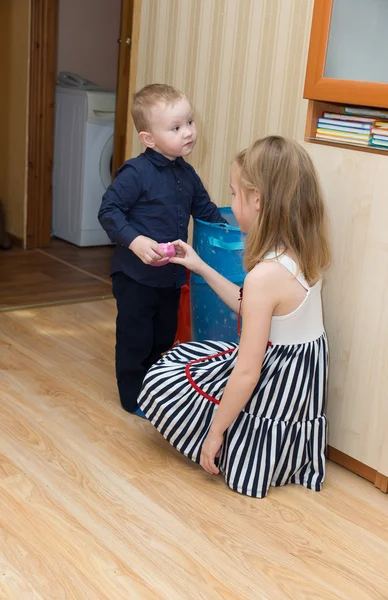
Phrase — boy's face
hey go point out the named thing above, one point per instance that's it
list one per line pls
(172, 130)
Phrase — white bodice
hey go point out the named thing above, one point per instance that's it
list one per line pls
(305, 323)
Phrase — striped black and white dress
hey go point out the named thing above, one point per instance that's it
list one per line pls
(280, 436)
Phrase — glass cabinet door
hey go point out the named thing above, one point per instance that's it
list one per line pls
(348, 53)
(357, 47)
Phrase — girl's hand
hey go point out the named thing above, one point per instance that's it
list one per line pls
(186, 256)
(210, 451)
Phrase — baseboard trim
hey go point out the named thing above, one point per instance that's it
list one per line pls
(346, 461)
(381, 482)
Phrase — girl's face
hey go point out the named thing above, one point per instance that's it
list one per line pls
(245, 204)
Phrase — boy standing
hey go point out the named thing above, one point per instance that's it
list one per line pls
(149, 202)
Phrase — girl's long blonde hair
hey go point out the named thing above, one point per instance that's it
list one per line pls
(292, 214)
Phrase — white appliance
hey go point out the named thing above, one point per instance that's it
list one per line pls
(83, 149)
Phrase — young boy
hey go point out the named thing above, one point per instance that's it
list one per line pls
(149, 202)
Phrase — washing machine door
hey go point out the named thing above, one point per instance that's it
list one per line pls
(106, 162)
(97, 177)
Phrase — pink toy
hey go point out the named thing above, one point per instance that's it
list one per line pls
(169, 250)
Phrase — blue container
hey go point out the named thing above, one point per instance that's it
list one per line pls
(221, 246)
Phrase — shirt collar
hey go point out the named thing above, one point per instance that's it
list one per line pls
(161, 161)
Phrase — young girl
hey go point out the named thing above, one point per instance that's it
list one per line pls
(255, 411)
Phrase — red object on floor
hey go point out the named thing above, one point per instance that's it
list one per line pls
(183, 333)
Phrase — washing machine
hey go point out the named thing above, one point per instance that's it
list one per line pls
(83, 150)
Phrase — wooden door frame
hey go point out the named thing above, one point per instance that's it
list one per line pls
(42, 76)
(43, 42)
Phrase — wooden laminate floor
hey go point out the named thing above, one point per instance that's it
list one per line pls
(95, 505)
(60, 274)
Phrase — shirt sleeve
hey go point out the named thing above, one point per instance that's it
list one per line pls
(202, 207)
(117, 201)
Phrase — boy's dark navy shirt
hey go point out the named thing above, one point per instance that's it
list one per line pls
(153, 196)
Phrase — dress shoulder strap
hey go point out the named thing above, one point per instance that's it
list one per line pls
(290, 265)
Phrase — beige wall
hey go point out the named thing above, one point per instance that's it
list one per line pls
(241, 62)
(14, 51)
(87, 39)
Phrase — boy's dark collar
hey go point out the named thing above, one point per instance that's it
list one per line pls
(161, 161)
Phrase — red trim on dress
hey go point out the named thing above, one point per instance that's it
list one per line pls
(239, 312)
(198, 360)
(191, 380)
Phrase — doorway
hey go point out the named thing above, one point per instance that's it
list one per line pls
(50, 51)
(54, 271)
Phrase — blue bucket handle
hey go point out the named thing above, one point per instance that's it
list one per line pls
(226, 245)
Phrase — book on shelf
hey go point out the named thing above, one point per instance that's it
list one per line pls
(341, 117)
(339, 140)
(322, 124)
(366, 112)
(342, 134)
(345, 124)
(380, 130)
(379, 143)
(384, 138)
(359, 127)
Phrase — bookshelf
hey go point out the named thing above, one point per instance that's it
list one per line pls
(346, 66)
(316, 109)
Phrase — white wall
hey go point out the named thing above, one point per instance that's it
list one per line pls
(87, 39)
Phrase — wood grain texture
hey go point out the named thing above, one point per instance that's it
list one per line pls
(355, 298)
(122, 91)
(352, 464)
(43, 42)
(95, 504)
(14, 68)
(62, 273)
(381, 482)
(95, 260)
(130, 132)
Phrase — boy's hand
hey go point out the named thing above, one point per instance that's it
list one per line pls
(146, 249)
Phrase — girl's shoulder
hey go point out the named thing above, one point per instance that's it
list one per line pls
(266, 277)
(267, 270)
(279, 282)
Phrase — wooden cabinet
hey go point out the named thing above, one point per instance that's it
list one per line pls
(348, 54)
(347, 62)
(348, 66)
(355, 298)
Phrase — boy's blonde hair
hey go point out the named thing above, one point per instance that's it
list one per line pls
(292, 214)
(148, 98)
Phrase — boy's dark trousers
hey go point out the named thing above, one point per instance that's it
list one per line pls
(146, 324)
